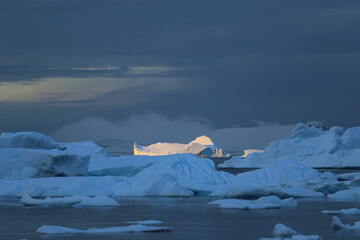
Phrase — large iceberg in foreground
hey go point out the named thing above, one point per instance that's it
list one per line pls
(175, 175)
(201, 146)
(32, 155)
(310, 146)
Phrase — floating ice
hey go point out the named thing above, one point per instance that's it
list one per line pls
(261, 203)
(75, 201)
(313, 147)
(46, 229)
(349, 211)
(54, 202)
(201, 146)
(337, 224)
(349, 194)
(282, 232)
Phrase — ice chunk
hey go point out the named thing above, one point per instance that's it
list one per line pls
(201, 146)
(349, 194)
(19, 163)
(261, 203)
(54, 202)
(75, 201)
(98, 201)
(250, 151)
(146, 222)
(309, 146)
(282, 232)
(349, 211)
(31, 140)
(337, 224)
(46, 229)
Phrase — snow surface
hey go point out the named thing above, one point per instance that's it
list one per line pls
(310, 146)
(202, 146)
(75, 201)
(268, 202)
(46, 229)
(349, 211)
(282, 232)
(337, 224)
(30, 140)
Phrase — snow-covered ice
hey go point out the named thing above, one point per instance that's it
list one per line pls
(202, 146)
(268, 202)
(313, 147)
(46, 229)
(349, 211)
(337, 224)
(282, 232)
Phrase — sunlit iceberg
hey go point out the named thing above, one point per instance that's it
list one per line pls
(201, 146)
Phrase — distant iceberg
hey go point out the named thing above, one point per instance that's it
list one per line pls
(202, 146)
(310, 146)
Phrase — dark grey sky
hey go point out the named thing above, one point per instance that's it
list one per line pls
(232, 62)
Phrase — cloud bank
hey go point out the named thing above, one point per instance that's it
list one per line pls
(151, 127)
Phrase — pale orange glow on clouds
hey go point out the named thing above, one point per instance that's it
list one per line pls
(63, 90)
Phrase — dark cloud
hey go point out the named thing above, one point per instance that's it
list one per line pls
(238, 61)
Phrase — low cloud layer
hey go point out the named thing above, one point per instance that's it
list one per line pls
(152, 127)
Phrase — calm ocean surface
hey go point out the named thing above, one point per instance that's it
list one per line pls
(190, 218)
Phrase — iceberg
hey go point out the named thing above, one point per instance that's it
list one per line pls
(34, 155)
(175, 175)
(337, 224)
(54, 202)
(268, 202)
(75, 201)
(348, 194)
(310, 146)
(349, 211)
(20, 163)
(282, 232)
(47, 229)
(30, 140)
(202, 146)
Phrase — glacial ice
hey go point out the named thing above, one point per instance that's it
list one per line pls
(268, 202)
(310, 146)
(32, 155)
(47, 229)
(337, 224)
(349, 211)
(348, 194)
(75, 201)
(282, 232)
(175, 175)
(202, 146)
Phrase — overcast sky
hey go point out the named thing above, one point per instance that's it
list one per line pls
(234, 63)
